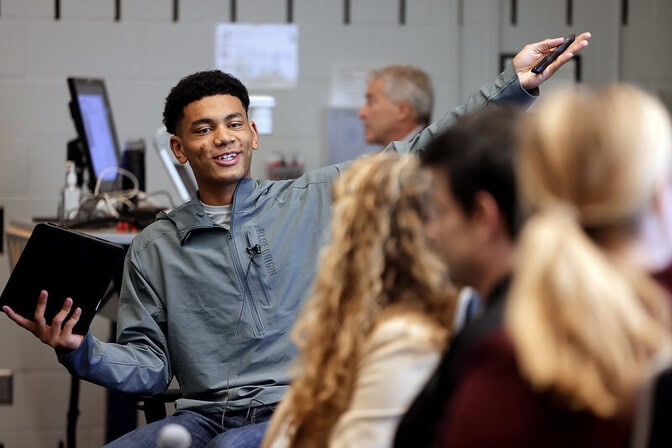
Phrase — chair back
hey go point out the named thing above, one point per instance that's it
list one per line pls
(653, 414)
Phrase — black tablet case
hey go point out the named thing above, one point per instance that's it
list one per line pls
(65, 263)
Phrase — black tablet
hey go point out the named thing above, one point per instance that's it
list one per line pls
(65, 263)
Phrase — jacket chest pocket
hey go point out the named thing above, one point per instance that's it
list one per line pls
(260, 274)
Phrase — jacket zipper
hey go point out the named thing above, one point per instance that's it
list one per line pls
(247, 293)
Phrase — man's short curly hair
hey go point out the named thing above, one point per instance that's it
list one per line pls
(199, 85)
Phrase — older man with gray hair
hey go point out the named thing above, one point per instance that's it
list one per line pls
(399, 102)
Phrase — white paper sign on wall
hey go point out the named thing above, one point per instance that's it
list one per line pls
(262, 56)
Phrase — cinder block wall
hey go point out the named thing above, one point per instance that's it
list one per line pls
(142, 55)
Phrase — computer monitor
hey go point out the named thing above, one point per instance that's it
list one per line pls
(91, 112)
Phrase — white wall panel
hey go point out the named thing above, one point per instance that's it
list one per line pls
(374, 12)
(61, 49)
(14, 47)
(480, 43)
(261, 11)
(147, 10)
(318, 12)
(646, 40)
(15, 167)
(94, 10)
(431, 12)
(601, 58)
(27, 9)
(323, 46)
(204, 11)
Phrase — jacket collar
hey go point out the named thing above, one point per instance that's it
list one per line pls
(191, 215)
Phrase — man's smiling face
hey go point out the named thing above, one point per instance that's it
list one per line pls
(216, 138)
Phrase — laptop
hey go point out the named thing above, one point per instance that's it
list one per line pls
(65, 263)
(181, 176)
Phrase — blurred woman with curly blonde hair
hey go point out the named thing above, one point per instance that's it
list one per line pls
(379, 316)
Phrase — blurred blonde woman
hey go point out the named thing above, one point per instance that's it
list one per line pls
(583, 319)
(379, 316)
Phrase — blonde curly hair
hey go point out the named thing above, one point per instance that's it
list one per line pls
(378, 260)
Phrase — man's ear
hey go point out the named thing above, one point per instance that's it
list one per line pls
(176, 147)
(405, 111)
(255, 135)
(487, 215)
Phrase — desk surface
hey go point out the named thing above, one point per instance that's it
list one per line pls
(109, 233)
(112, 235)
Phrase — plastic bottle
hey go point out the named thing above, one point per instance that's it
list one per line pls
(71, 192)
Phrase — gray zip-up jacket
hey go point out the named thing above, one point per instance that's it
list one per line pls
(214, 307)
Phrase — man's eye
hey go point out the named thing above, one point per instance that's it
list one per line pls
(203, 130)
(236, 124)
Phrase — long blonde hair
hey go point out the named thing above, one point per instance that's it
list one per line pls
(378, 259)
(585, 322)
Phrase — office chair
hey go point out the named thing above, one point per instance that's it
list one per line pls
(154, 406)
